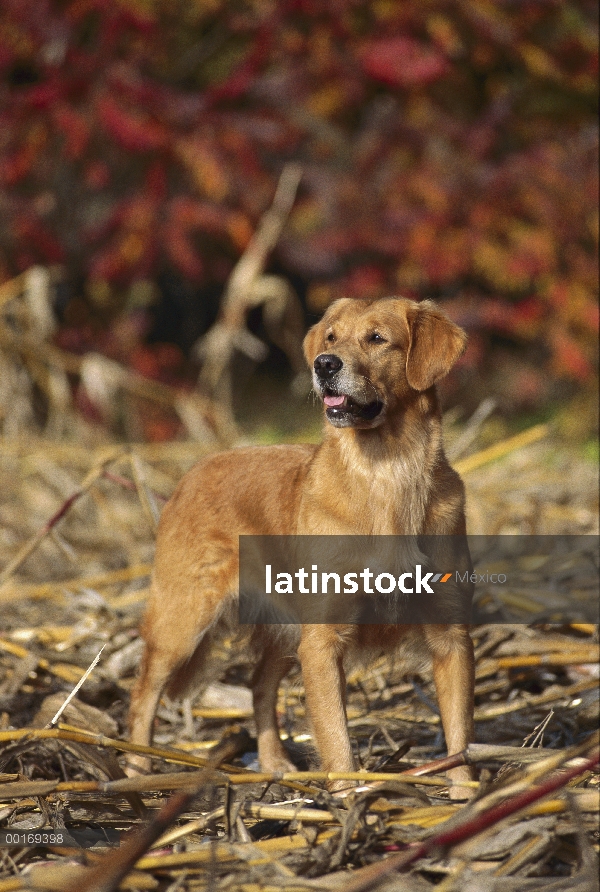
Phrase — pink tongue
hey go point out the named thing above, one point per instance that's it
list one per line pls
(333, 400)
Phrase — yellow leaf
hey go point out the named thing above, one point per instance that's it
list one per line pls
(326, 101)
(538, 62)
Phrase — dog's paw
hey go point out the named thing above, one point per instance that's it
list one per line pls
(277, 765)
(343, 788)
(457, 791)
(461, 794)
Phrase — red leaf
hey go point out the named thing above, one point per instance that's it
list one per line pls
(133, 132)
(187, 213)
(160, 430)
(183, 254)
(243, 75)
(568, 357)
(591, 317)
(43, 96)
(97, 175)
(16, 167)
(145, 361)
(75, 130)
(168, 356)
(402, 62)
(156, 181)
(107, 266)
(32, 232)
(7, 56)
(527, 314)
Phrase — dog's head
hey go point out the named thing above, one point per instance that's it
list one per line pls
(367, 356)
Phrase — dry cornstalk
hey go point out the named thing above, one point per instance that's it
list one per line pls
(175, 451)
(504, 447)
(54, 589)
(587, 654)
(144, 492)
(115, 376)
(248, 287)
(108, 873)
(486, 713)
(369, 877)
(41, 534)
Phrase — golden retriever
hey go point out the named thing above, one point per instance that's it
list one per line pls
(380, 470)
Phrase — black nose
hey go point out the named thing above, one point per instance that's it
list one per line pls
(327, 364)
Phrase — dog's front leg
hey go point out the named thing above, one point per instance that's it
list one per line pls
(273, 666)
(321, 654)
(454, 676)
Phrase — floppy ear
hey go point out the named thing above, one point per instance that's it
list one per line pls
(435, 344)
(309, 345)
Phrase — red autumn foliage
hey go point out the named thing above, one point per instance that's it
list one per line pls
(449, 150)
(402, 62)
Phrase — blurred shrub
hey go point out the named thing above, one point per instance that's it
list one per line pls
(449, 150)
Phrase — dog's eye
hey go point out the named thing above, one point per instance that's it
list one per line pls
(376, 338)
(330, 337)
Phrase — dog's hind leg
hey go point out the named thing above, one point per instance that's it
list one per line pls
(176, 650)
(154, 673)
(274, 665)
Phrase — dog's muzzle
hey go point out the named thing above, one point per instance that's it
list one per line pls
(344, 405)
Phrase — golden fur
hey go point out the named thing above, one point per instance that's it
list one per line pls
(380, 470)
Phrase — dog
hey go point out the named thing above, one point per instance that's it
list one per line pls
(380, 470)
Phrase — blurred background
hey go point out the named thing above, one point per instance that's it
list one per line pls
(185, 185)
(442, 150)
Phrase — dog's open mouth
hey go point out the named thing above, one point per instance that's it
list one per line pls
(343, 411)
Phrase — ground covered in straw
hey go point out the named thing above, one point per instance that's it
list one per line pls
(76, 538)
